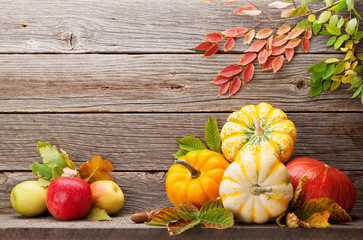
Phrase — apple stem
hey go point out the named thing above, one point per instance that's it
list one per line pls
(194, 172)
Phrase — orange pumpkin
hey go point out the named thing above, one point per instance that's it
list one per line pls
(195, 177)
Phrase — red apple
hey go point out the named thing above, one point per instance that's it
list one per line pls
(69, 198)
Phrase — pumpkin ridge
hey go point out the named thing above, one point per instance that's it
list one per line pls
(243, 170)
(273, 168)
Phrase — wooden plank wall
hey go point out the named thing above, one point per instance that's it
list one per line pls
(120, 79)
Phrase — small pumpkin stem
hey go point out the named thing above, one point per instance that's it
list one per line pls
(258, 129)
(194, 172)
(257, 190)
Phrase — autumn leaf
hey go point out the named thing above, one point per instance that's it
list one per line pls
(223, 88)
(182, 225)
(286, 13)
(289, 53)
(279, 41)
(188, 210)
(249, 37)
(220, 218)
(278, 4)
(96, 214)
(298, 196)
(294, 33)
(204, 46)
(248, 73)
(230, 33)
(220, 80)
(251, 12)
(308, 33)
(269, 43)
(241, 9)
(241, 31)
(262, 56)
(96, 170)
(214, 37)
(318, 220)
(292, 221)
(247, 58)
(256, 46)
(211, 51)
(283, 29)
(230, 71)
(229, 44)
(268, 64)
(293, 43)
(164, 216)
(305, 44)
(277, 63)
(235, 86)
(264, 33)
(278, 50)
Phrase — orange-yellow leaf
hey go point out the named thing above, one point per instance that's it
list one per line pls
(256, 46)
(308, 33)
(269, 42)
(249, 36)
(211, 51)
(318, 220)
(230, 33)
(283, 29)
(235, 86)
(294, 33)
(306, 44)
(214, 37)
(223, 88)
(248, 73)
(279, 41)
(230, 1)
(277, 63)
(286, 13)
(264, 33)
(204, 46)
(293, 43)
(289, 52)
(247, 58)
(96, 170)
(278, 50)
(229, 44)
(262, 56)
(220, 80)
(268, 64)
(241, 9)
(241, 31)
(230, 71)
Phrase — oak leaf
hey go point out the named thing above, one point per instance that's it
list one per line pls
(96, 170)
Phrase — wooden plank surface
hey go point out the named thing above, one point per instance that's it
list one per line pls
(153, 83)
(127, 26)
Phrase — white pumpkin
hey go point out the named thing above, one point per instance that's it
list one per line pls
(256, 187)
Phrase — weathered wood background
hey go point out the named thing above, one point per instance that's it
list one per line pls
(120, 79)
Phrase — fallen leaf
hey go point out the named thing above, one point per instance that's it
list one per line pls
(235, 86)
(248, 73)
(256, 46)
(277, 63)
(241, 9)
(286, 13)
(269, 42)
(306, 44)
(293, 43)
(289, 53)
(211, 51)
(220, 80)
(164, 216)
(278, 4)
(96, 214)
(182, 225)
(249, 36)
(230, 71)
(298, 194)
(251, 12)
(247, 58)
(262, 56)
(214, 37)
(96, 170)
(230, 33)
(318, 220)
(308, 33)
(294, 33)
(230, 1)
(188, 210)
(268, 64)
(279, 41)
(204, 46)
(241, 31)
(283, 29)
(278, 50)
(292, 221)
(223, 88)
(229, 44)
(264, 33)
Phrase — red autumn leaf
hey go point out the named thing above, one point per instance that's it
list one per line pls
(306, 44)
(256, 46)
(262, 56)
(294, 33)
(229, 44)
(308, 33)
(289, 53)
(220, 80)
(214, 37)
(211, 51)
(264, 33)
(268, 64)
(204, 46)
(223, 88)
(269, 42)
(247, 58)
(248, 73)
(241, 9)
(235, 86)
(249, 36)
(293, 43)
(241, 31)
(277, 63)
(230, 71)
(284, 29)
(279, 41)
(230, 1)
(278, 50)
(230, 33)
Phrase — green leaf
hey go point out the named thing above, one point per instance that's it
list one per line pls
(188, 210)
(96, 214)
(328, 71)
(360, 56)
(357, 92)
(333, 29)
(180, 153)
(357, 81)
(316, 27)
(317, 76)
(214, 204)
(350, 4)
(181, 225)
(339, 68)
(212, 136)
(340, 41)
(43, 182)
(351, 25)
(340, 23)
(301, 25)
(326, 33)
(320, 67)
(361, 98)
(315, 91)
(41, 170)
(164, 216)
(357, 14)
(335, 85)
(332, 60)
(318, 205)
(218, 218)
(358, 69)
(328, 3)
(191, 143)
(358, 36)
(324, 16)
(340, 6)
(333, 20)
(327, 84)
(331, 41)
(311, 68)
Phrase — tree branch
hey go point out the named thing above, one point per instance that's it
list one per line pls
(259, 9)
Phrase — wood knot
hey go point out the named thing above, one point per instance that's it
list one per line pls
(176, 86)
(24, 25)
(300, 84)
(73, 40)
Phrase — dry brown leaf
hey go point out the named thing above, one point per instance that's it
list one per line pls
(96, 170)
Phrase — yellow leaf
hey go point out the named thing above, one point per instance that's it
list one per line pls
(311, 18)
(335, 85)
(318, 220)
(292, 221)
(354, 65)
(96, 170)
(346, 65)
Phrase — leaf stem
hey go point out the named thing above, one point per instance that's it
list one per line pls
(259, 9)
(194, 172)
(293, 2)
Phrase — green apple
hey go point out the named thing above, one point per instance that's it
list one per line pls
(28, 198)
(107, 195)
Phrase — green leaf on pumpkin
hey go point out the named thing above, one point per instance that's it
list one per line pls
(191, 143)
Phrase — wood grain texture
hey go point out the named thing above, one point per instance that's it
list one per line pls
(153, 83)
(143, 191)
(127, 26)
(146, 141)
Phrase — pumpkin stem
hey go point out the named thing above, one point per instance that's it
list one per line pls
(257, 190)
(194, 172)
(258, 129)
